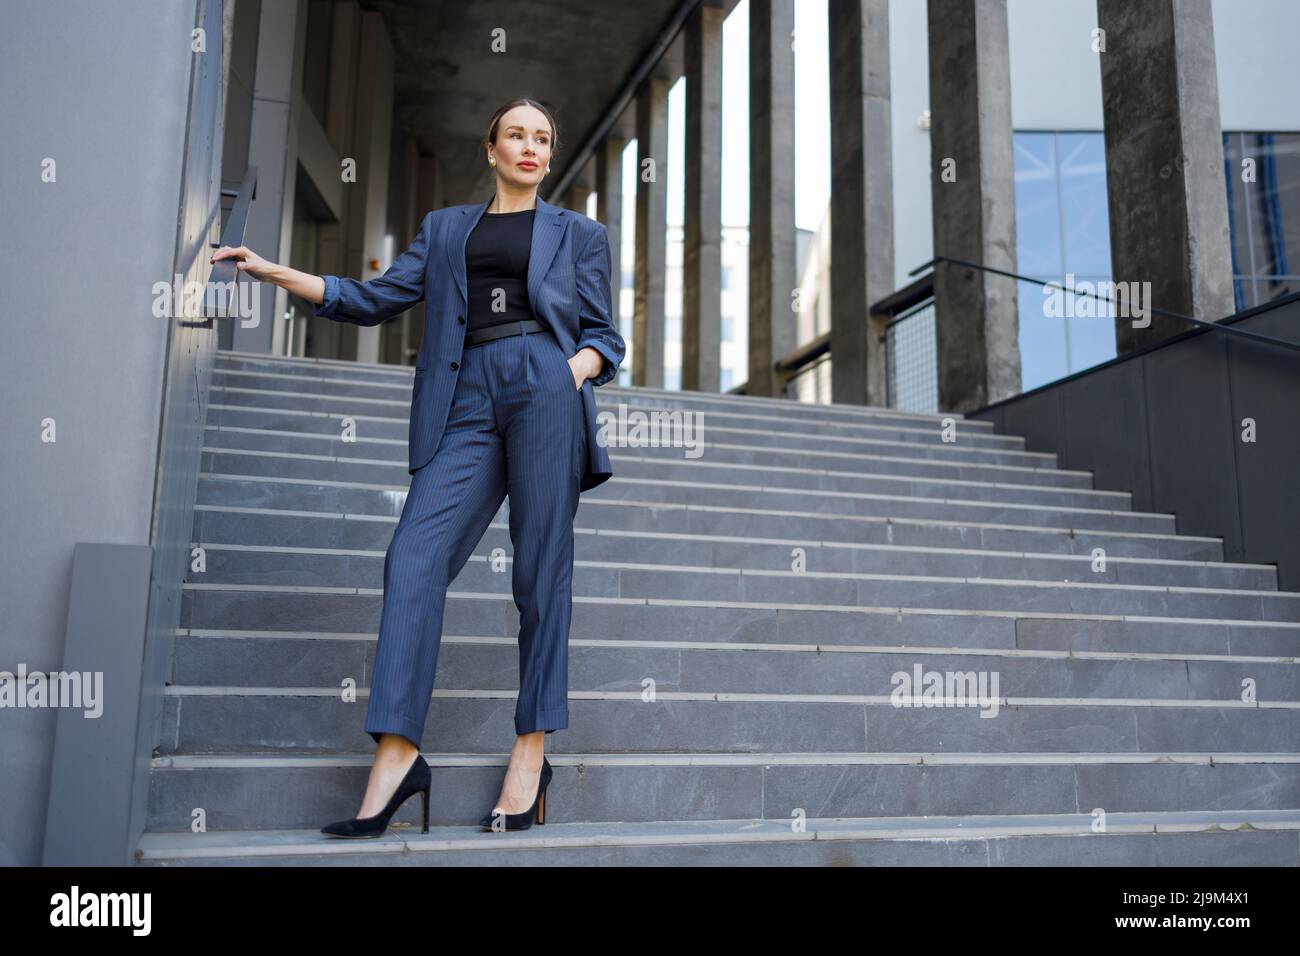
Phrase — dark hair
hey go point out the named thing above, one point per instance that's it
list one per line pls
(491, 138)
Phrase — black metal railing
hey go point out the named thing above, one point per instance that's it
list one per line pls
(221, 292)
(1217, 326)
(910, 338)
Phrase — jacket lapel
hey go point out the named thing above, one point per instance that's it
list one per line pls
(549, 227)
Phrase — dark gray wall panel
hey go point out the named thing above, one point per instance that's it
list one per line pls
(1104, 430)
(1193, 473)
(1165, 424)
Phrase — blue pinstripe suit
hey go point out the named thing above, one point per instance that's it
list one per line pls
(499, 418)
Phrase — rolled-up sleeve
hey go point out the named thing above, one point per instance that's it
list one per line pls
(595, 318)
(330, 303)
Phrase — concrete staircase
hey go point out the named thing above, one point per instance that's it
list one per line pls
(737, 621)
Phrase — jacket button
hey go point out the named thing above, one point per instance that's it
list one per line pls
(460, 319)
(454, 366)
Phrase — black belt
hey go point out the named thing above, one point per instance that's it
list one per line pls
(479, 336)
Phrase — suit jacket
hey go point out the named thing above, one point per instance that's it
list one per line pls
(568, 287)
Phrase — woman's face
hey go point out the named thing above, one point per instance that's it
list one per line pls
(523, 146)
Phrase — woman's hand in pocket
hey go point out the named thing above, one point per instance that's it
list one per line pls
(586, 364)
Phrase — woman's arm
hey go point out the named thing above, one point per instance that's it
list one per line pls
(302, 284)
(596, 326)
(348, 300)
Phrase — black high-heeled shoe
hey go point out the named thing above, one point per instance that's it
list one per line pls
(417, 780)
(524, 820)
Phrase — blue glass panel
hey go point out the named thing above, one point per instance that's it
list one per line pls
(1238, 220)
(1038, 223)
(1086, 222)
(1042, 339)
(1277, 205)
(1090, 325)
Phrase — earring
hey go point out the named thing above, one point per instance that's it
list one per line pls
(492, 162)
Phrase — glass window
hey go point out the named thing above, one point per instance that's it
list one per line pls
(1085, 221)
(1062, 236)
(1038, 211)
(1262, 177)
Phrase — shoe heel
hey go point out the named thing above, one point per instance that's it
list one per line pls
(417, 780)
(534, 814)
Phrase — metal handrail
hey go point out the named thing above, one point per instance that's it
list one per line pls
(225, 272)
(898, 304)
(1218, 325)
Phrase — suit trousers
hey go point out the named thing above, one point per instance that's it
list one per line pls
(516, 427)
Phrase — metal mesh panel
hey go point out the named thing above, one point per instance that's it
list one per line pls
(911, 361)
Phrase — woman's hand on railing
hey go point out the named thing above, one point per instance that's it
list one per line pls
(246, 261)
(302, 284)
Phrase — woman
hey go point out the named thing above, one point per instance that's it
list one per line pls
(517, 294)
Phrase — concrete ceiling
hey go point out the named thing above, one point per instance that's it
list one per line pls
(575, 56)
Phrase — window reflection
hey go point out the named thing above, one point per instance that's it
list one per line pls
(1063, 236)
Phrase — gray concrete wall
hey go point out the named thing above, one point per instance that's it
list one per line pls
(104, 97)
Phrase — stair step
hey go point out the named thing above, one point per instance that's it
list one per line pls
(378, 499)
(383, 442)
(204, 719)
(258, 525)
(298, 609)
(230, 560)
(388, 418)
(621, 664)
(332, 374)
(242, 387)
(281, 573)
(317, 467)
(1258, 837)
(275, 791)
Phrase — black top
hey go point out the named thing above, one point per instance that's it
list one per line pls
(496, 258)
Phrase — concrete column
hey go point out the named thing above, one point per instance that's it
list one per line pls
(1164, 163)
(862, 216)
(402, 335)
(973, 190)
(371, 144)
(651, 225)
(432, 186)
(577, 199)
(702, 255)
(772, 279)
(273, 149)
(609, 210)
(337, 340)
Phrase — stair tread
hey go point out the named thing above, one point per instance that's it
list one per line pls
(253, 843)
(271, 758)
